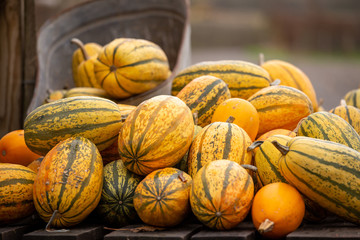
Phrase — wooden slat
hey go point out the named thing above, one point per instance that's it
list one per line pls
(14, 233)
(245, 231)
(80, 232)
(184, 231)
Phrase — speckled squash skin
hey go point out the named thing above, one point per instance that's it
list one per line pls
(69, 180)
(280, 107)
(129, 66)
(219, 140)
(221, 194)
(352, 98)
(243, 78)
(16, 188)
(97, 119)
(156, 134)
(350, 114)
(292, 76)
(202, 95)
(326, 172)
(162, 198)
(116, 207)
(329, 126)
(266, 159)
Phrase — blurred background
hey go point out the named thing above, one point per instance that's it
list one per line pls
(321, 37)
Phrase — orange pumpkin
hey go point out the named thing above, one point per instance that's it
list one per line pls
(278, 131)
(243, 111)
(277, 210)
(14, 150)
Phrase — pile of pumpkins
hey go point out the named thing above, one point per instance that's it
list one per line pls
(232, 139)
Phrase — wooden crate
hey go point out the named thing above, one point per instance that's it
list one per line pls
(163, 22)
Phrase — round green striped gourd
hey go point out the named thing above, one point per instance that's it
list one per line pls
(202, 95)
(97, 119)
(326, 172)
(243, 78)
(162, 198)
(349, 113)
(329, 126)
(69, 182)
(219, 140)
(156, 134)
(16, 192)
(221, 194)
(116, 207)
(352, 98)
(280, 107)
(129, 66)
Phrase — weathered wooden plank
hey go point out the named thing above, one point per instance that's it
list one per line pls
(182, 232)
(14, 232)
(245, 231)
(10, 66)
(80, 232)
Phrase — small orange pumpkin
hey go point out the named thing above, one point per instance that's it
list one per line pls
(278, 209)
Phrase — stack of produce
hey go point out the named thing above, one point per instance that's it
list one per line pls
(234, 139)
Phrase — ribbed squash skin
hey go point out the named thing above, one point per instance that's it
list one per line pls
(267, 158)
(219, 140)
(243, 78)
(92, 49)
(97, 119)
(16, 188)
(128, 66)
(329, 126)
(352, 98)
(69, 180)
(202, 95)
(280, 107)
(162, 197)
(156, 134)
(326, 172)
(221, 194)
(291, 76)
(87, 91)
(116, 207)
(350, 114)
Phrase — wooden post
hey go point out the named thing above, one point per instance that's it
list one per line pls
(17, 62)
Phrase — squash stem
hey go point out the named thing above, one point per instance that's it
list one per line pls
(275, 82)
(54, 216)
(230, 119)
(82, 48)
(254, 145)
(249, 167)
(266, 226)
(261, 59)
(283, 149)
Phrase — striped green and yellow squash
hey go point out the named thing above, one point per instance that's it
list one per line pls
(97, 119)
(202, 95)
(292, 76)
(86, 91)
(116, 207)
(129, 66)
(349, 113)
(329, 126)
(266, 160)
(280, 107)
(69, 182)
(162, 198)
(157, 134)
(324, 171)
(352, 98)
(80, 56)
(221, 194)
(219, 140)
(16, 190)
(243, 78)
